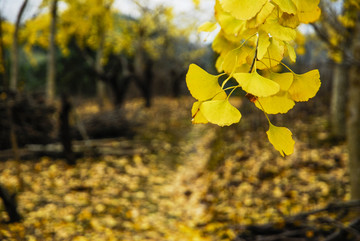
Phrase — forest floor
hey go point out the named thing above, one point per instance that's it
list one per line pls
(187, 182)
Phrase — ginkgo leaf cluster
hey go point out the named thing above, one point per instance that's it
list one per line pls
(254, 38)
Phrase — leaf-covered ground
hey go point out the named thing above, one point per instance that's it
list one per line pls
(188, 182)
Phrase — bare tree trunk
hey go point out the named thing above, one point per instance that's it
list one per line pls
(15, 50)
(353, 123)
(100, 85)
(51, 64)
(338, 101)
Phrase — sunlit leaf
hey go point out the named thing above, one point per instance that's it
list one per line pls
(291, 52)
(220, 112)
(264, 43)
(257, 85)
(283, 79)
(281, 139)
(275, 53)
(242, 9)
(197, 116)
(305, 86)
(202, 85)
(234, 58)
(228, 23)
(279, 103)
(307, 10)
(261, 16)
(221, 44)
(286, 6)
(207, 27)
(278, 31)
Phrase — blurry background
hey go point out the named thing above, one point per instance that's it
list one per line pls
(96, 139)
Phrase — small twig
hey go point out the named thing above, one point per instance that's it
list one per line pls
(255, 55)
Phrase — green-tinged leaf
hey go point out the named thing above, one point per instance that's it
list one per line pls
(281, 139)
(243, 9)
(279, 103)
(291, 52)
(257, 85)
(202, 85)
(220, 112)
(283, 79)
(207, 27)
(286, 6)
(305, 86)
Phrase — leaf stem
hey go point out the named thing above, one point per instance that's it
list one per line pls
(235, 87)
(266, 115)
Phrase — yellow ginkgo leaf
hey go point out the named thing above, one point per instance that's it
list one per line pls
(307, 10)
(222, 45)
(257, 85)
(281, 139)
(291, 52)
(289, 20)
(283, 79)
(263, 45)
(219, 62)
(242, 9)
(305, 86)
(228, 23)
(197, 116)
(234, 58)
(279, 103)
(275, 53)
(261, 16)
(202, 85)
(278, 31)
(286, 6)
(207, 27)
(220, 112)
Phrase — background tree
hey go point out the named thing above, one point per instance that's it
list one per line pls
(341, 34)
(15, 49)
(51, 65)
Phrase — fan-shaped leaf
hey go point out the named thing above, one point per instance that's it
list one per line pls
(242, 9)
(257, 85)
(220, 112)
(305, 86)
(202, 85)
(281, 139)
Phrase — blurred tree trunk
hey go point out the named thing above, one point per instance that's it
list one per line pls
(65, 131)
(353, 123)
(339, 101)
(15, 50)
(51, 64)
(143, 74)
(10, 205)
(100, 84)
